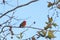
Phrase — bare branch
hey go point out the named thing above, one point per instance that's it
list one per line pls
(6, 36)
(17, 8)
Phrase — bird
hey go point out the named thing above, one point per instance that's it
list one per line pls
(23, 24)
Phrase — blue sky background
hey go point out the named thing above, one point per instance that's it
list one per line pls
(36, 11)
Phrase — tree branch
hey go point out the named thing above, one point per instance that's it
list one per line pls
(17, 8)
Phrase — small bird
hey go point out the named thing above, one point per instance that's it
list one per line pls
(23, 24)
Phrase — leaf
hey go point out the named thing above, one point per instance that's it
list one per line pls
(54, 24)
(49, 25)
(18, 37)
(38, 32)
(41, 33)
(50, 4)
(44, 32)
(50, 34)
(50, 19)
(46, 22)
(38, 35)
(33, 38)
(21, 35)
(45, 28)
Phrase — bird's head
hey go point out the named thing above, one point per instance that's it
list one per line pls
(24, 21)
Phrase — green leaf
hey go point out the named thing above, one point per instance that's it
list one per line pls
(46, 22)
(21, 35)
(50, 19)
(45, 28)
(18, 37)
(54, 24)
(50, 34)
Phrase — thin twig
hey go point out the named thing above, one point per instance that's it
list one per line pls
(6, 36)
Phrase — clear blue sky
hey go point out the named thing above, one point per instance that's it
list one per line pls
(36, 11)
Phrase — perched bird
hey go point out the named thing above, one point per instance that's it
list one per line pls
(23, 24)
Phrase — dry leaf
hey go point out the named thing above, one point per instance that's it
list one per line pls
(50, 4)
(54, 24)
(50, 34)
(33, 38)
